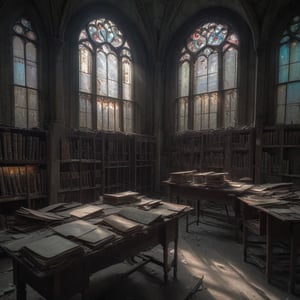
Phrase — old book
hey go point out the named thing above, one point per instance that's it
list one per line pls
(140, 216)
(98, 237)
(38, 215)
(50, 251)
(74, 229)
(173, 206)
(120, 198)
(182, 176)
(122, 224)
(86, 211)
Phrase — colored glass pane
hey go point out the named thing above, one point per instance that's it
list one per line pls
(127, 79)
(283, 74)
(294, 73)
(18, 47)
(103, 30)
(18, 29)
(101, 65)
(31, 74)
(32, 99)
(128, 116)
(33, 118)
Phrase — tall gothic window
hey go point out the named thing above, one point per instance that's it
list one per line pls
(288, 79)
(25, 71)
(105, 78)
(207, 79)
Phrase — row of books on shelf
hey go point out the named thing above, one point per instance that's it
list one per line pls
(76, 179)
(240, 140)
(273, 164)
(16, 146)
(241, 160)
(292, 137)
(22, 180)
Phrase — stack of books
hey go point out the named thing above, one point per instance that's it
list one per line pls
(86, 211)
(120, 198)
(200, 178)
(182, 177)
(50, 252)
(38, 215)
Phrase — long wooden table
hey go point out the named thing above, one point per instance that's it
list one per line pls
(274, 226)
(198, 193)
(63, 282)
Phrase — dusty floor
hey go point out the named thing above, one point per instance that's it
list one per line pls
(207, 251)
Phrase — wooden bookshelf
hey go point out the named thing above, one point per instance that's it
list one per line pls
(80, 158)
(93, 163)
(240, 153)
(143, 157)
(23, 169)
(278, 150)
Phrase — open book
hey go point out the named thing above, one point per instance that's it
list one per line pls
(140, 216)
(122, 224)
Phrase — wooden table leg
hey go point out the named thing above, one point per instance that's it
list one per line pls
(175, 251)
(20, 284)
(293, 260)
(269, 249)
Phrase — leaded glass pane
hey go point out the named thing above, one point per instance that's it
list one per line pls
(293, 92)
(204, 121)
(128, 116)
(85, 110)
(294, 71)
(184, 79)
(18, 47)
(205, 103)
(101, 74)
(213, 82)
(113, 88)
(99, 114)
(230, 107)
(33, 118)
(292, 114)
(280, 114)
(200, 85)
(284, 54)
(283, 74)
(21, 117)
(20, 97)
(19, 71)
(213, 120)
(31, 74)
(281, 94)
(32, 99)
(213, 63)
(295, 52)
(85, 69)
(112, 67)
(182, 114)
(201, 66)
(30, 52)
(230, 68)
(127, 79)
(214, 103)
(197, 112)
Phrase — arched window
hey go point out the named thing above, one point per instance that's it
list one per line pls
(207, 79)
(288, 79)
(105, 78)
(25, 71)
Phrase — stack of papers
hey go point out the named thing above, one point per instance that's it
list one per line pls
(120, 198)
(38, 215)
(50, 252)
(86, 211)
(140, 216)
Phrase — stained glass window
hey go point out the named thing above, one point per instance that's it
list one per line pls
(105, 77)
(288, 79)
(25, 71)
(207, 78)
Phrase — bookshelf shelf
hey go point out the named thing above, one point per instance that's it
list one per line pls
(23, 167)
